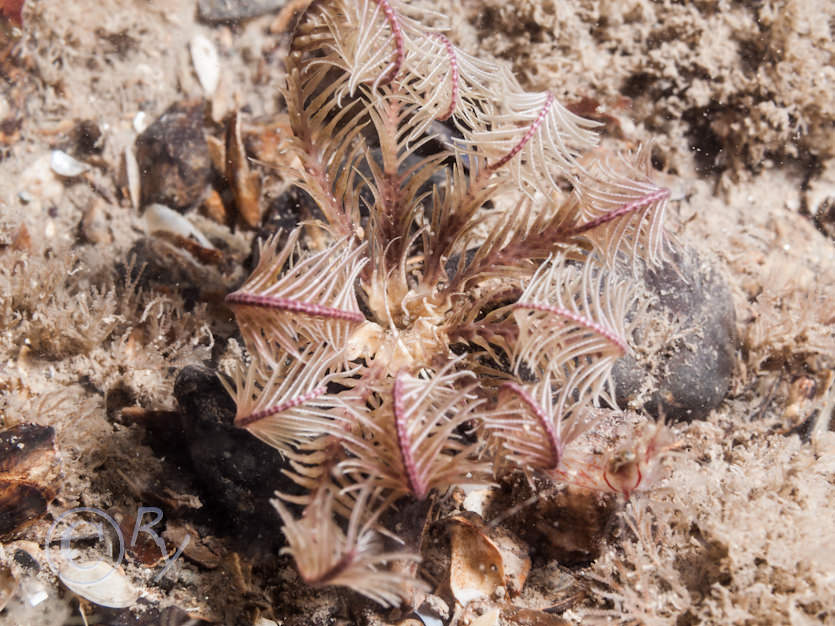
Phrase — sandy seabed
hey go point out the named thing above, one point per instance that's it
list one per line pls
(737, 98)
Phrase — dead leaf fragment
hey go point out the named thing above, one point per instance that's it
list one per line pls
(21, 503)
(515, 560)
(488, 562)
(208, 256)
(213, 207)
(27, 452)
(22, 241)
(143, 548)
(8, 585)
(518, 616)
(12, 10)
(245, 184)
(267, 142)
(198, 549)
(217, 153)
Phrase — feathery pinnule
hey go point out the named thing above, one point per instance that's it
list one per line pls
(408, 442)
(327, 555)
(284, 402)
(571, 324)
(528, 428)
(622, 209)
(537, 137)
(367, 39)
(312, 300)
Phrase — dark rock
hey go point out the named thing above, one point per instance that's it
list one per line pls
(239, 473)
(23, 447)
(687, 369)
(825, 217)
(283, 214)
(86, 139)
(173, 157)
(220, 11)
(20, 504)
(27, 460)
(26, 561)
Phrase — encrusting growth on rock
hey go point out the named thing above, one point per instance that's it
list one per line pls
(436, 340)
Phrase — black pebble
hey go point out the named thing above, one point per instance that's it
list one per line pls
(690, 376)
(239, 473)
(173, 157)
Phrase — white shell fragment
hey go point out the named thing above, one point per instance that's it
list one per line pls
(140, 122)
(206, 63)
(132, 174)
(100, 583)
(159, 217)
(429, 620)
(477, 500)
(65, 165)
(33, 593)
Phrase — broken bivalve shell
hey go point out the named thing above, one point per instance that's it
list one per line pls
(65, 165)
(476, 568)
(159, 217)
(486, 562)
(140, 122)
(133, 178)
(100, 582)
